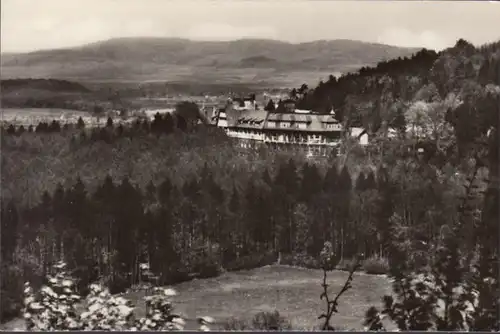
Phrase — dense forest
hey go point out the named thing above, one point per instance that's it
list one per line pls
(188, 201)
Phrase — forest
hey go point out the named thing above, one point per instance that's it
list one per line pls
(187, 200)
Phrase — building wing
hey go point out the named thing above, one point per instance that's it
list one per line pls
(302, 122)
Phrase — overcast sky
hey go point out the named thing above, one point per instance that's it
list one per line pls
(28, 25)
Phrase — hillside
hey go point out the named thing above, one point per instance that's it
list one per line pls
(42, 84)
(180, 60)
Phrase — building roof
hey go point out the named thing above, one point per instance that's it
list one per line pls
(313, 122)
(246, 118)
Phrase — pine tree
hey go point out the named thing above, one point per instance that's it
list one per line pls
(9, 230)
(399, 122)
(361, 182)
(55, 126)
(150, 194)
(484, 70)
(109, 122)
(311, 182)
(232, 241)
(80, 124)
(331, 179)
(157, 124)
(343, 200)
(11, 130)
(370, 182)
(270, 106)
(266, 177)
(120, 130)
(168, 123)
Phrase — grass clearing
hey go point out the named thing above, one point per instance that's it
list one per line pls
(294, 292)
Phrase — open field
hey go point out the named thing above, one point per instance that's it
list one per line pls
(28, 116)
(294, 292)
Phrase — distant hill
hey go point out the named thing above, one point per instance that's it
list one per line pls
(181, 60)
(42, 84)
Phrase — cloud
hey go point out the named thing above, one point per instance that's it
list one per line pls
(406, 38)
(220, 31)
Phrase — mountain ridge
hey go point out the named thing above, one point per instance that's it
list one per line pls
(178, 59)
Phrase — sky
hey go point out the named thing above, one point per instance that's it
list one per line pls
(28, 25)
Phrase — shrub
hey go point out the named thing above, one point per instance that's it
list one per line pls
(345, 264)
(376, 265)
(440, 299)
(300, 260)
(55, 308)
(234, 324)
(207, 267)
(252, 261)
(11, 292)
(204, 260)
(106, 312)
(159, 314)
(270, 321)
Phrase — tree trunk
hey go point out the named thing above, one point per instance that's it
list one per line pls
(341, 242)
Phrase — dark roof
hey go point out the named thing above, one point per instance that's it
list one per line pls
(246, 118)
(259, 119)
(314, 122)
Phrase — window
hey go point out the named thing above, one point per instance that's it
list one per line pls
(271, 124)
(333, 126)
(285, 125)
(302, 126)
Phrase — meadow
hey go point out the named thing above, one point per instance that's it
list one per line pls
(35, 115)
(294, 292)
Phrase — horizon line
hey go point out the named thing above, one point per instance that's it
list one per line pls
(211, 41)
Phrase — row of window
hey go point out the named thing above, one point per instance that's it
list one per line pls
(300, 125)
(284, 138)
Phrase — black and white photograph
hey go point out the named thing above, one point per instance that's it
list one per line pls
(249, 165)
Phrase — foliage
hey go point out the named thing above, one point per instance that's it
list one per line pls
(263, 321)
(270, 321)
(56, 308)
(11, 291)
(345, 265)
(105, 311)
(376, 265)
(236, 325)
(302, 260)
(159, 312)
(252, 261)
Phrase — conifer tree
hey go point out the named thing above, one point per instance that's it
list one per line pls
(270, 106)
(361, 182)
(10, 228)
(109, 122)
